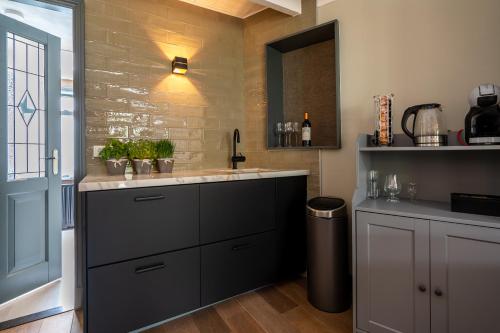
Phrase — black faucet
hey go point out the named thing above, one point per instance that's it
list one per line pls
(236, 158)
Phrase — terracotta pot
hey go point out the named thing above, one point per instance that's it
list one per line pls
(116, 167)
(165, 165)
(142, 167)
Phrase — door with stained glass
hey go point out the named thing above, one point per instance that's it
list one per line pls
(30, 185)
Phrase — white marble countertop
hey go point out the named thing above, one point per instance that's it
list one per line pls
(103, 182)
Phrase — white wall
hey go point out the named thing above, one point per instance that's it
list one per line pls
(420, 50)
(290, 7)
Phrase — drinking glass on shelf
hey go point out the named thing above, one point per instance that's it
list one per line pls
(372, 192)
(288, 133)
(392, 187)
(297, 131)
(279, 130)
(412, 191)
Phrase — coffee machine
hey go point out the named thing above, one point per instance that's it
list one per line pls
(482, 123)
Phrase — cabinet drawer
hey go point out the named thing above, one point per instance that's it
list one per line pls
(133, 223)
(232, 267)
(133, 294)
(234, 209)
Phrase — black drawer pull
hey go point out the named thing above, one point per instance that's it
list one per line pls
(149, 268)
(242, 247)
(151, 198)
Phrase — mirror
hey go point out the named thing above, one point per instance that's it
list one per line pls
(303, 76)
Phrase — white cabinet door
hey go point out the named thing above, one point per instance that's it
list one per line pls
(392, 276)
(465, 275)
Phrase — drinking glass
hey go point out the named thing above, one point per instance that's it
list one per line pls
(288, 133)
(297, 131)
(412, 191)
(279, 131)
(372, 184)
(392, 187)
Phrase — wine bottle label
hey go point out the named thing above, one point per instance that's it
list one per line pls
(306, 133)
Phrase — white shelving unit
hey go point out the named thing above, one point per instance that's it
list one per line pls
(437, 149)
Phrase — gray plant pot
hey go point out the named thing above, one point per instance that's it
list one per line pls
(116, 167)
(142, 167)
(165, 165)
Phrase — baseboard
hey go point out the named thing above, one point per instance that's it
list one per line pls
(29, 318)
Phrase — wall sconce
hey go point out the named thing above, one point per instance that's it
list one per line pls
(179, 65)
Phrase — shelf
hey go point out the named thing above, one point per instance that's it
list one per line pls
(442, 148)
(428, 210)
(301, 148)
(404, 143)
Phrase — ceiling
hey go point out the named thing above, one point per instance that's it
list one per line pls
(323, 2)
(55, 20)
(237, 8)
(246, 8)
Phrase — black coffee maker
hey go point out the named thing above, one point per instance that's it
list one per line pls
(482, 123)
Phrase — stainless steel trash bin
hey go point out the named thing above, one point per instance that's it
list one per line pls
(328, 281)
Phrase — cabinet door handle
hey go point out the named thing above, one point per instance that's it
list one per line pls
(241, 247)
(151, 198)
(422, 288)
(149, 268)
(438, 292)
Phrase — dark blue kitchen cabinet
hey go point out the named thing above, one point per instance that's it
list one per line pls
(154, 253)
(133, 223)
(231, 267)
(235, 209)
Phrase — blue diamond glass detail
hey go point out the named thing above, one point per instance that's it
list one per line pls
(27, 107)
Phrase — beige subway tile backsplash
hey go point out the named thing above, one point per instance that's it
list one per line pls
(131, 92)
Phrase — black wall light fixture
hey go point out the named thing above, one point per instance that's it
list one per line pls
(179, 65)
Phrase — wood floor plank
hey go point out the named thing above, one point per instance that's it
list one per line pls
(238, 320)
(337, 322)
(303, 321)
(184, 324)
(33, 327)
(268, 318)
(209, 321)
(56, 324)
(281, 309)
(276, 299)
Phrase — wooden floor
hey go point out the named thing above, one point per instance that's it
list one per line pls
(282, 308)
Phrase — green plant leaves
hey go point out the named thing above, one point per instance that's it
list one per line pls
(165, 149)
(141, 149)
(114, 149)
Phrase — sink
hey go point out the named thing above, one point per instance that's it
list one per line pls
(248, 170)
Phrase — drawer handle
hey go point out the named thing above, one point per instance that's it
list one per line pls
(154, 267)
(242, 247)
(155, 197)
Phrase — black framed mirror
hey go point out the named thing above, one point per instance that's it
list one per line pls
(303, 77)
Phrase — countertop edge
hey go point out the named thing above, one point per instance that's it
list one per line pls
(445, 216)
(89, 185)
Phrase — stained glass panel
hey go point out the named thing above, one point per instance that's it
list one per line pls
(26, 108)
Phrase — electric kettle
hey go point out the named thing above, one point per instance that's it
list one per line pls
(428, 129)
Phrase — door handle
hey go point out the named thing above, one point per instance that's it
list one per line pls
(55, 161)
(241, 247)
(438, 292)
(151, 198)
(154, 267)
(422, 288)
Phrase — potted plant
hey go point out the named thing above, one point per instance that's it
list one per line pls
(142, 154)
(114, 154)
(164, 153)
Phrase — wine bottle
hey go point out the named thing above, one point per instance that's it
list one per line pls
(306, 131)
